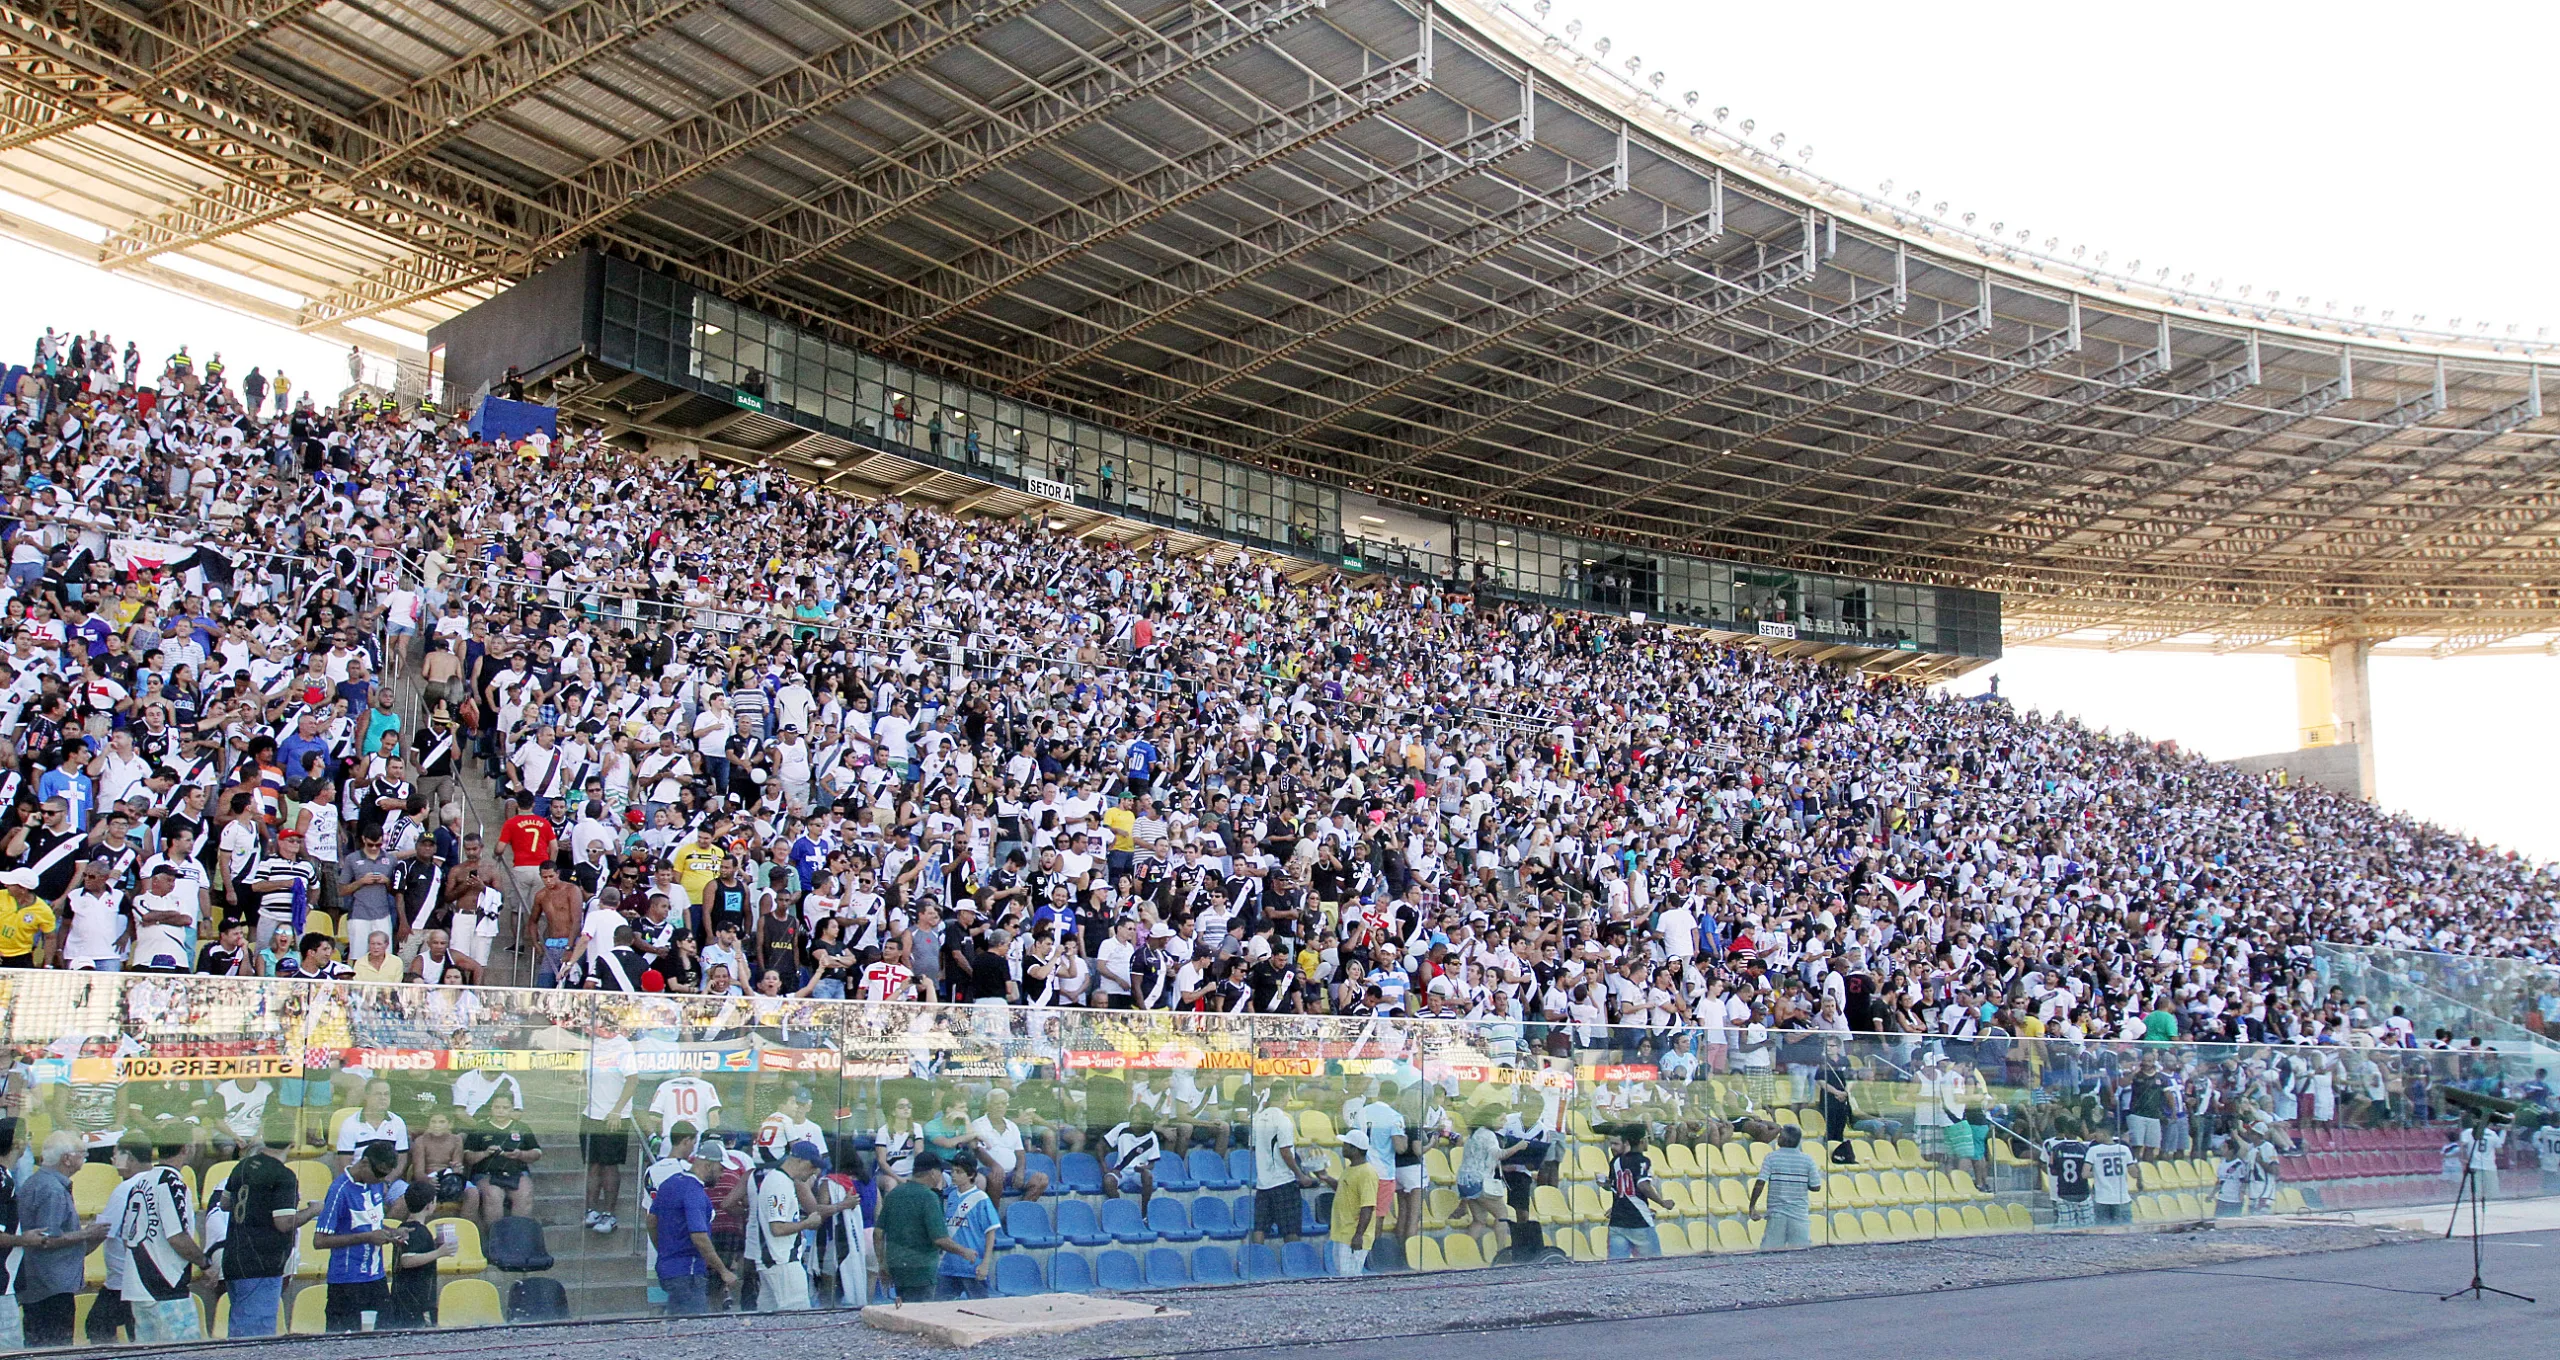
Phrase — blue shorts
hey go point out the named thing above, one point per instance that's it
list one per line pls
(289, 1091)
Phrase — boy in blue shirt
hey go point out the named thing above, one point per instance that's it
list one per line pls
(351, 1229)
(969, 1221)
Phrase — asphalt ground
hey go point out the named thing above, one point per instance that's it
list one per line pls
(2331, 1291)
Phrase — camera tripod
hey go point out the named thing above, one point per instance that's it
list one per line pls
(2470, 1189)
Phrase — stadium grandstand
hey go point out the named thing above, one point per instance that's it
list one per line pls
(1044, 647)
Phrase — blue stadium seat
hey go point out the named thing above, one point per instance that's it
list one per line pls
(1216, 1220)
(1077, 1224)
(1082, 1173)
(1068, 1273)
(1166, 1269)
(1242, 1212)
(1120, 1219)
(1212, 1265)
(1044, 1164)
(1240, 1166)
(1171, 1174)
(1210, 1170)
(1027, 1223)
(1308, 1224)
(1117, 1270)
(1017, 1275)
(1261, 1261)
(1301, 1260)
(1165, 1216)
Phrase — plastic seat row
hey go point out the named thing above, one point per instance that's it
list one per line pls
(1080, 1223)
(1160, 1268)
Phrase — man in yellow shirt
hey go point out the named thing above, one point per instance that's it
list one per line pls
(1355, 1206)
(697, 862)
(1122, 822)
(26, 921)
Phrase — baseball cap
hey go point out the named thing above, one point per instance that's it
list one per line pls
(806, 1151)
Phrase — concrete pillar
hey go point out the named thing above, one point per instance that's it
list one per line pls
(2319, 722)
(2351, 704)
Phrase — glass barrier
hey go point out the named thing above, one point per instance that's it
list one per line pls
(2505, 1000)
(529, 1133)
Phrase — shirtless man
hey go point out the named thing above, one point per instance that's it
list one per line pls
(558, 908)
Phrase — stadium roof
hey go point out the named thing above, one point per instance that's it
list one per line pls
(1442, 255)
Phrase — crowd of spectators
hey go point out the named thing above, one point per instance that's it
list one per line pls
(744, 736)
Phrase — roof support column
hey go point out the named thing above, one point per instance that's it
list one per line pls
(2351, 704)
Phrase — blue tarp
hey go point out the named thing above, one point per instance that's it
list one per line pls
(499, 419)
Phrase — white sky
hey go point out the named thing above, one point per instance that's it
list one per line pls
(2365, 155)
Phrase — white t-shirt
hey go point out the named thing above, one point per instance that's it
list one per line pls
(686, 1100)
(1114, 958)
(97, 919)
(1273, 1129)
(355, 1133)
(153, 943)
(2111, 1173)
(608, 1076)
(472, 1089)
(1002, 1148)
(244, 1112)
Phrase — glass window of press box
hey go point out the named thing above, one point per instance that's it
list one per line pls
(673, 332)
(659, 327)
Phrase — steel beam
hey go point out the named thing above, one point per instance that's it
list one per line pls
(1716, 382)
(1481, 331)
(406, 127)
(1157, 299)
(1816, 394)
(237, 125)
(1045, 111)
(2174, 468)
(2013, 434)
(1026, 253)
(1584, 359)
(190, 37)
(694, 147)
(1374, 292)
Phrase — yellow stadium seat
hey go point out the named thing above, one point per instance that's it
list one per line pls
(1436, 1169)
(221, 1328)
(1679, 1161)
(1974, 1220)
(310, 1311)
(314, 1178)
(1731, 1236)
(215, 1177)
(1950, 1223)
(1588, 1207)
(1583, 1244)
(90, 1186)
(1907, 1152)
(1589, 1162)
(1426, 1255)
(1786, 1116)
(2016, 1218)
(1874, 1226)
(1846, 1231)
(1871, 1189)
(2189, 1206)
(1900, 1226)
(469, 1303)
(338, 1122)
(1728, 1197)
(2146, 1209)
(1550, 1206)
(1820, 1227)
(93, 1267)
(1315, 1129)
(311, 1262)
(2289, 1200)
(1439, 1207)
(465, 1234)
(80, 1317)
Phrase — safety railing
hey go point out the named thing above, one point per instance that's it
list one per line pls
(1143, 1150)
